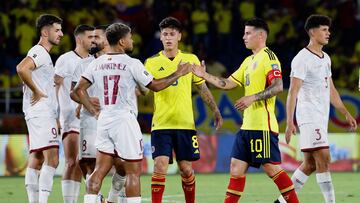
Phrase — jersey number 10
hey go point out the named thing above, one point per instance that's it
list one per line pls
(115, 89)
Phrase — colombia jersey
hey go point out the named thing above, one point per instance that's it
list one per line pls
(255, 74)
(173, 105)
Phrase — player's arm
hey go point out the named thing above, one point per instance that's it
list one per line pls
(24, 69)
(208, 98)
(295, 85)
(219, 82)
(339, 105)
(160, 84)
(81, 93)
(141, 90)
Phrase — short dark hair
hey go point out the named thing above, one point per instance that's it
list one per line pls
(170, 22)
(46, 20)
(115, 32)
(81, 29)
(258, 23)
(316, 20)
(101, 27)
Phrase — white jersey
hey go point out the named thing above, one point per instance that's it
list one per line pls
(65, 67)
(114, 77)
(313, 100)
(43, 77)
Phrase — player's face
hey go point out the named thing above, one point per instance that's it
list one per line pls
(87, 39)
(99, 39)
(54, 33)
(128, 42)
(321, 34)
(170, 38)
(251, 37)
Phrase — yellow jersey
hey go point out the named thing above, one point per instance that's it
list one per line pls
(173, 105)
(255, 74)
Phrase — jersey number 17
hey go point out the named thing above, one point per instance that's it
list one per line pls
(116, 79)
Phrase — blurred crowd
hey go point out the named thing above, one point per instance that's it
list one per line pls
(213, 30)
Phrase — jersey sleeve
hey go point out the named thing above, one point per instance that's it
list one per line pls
(298, 68)
(238, 75)
(77, 73)
(195, 79)
(38, 55)
(88, 74)
(141, 75)
(60, 67)
(272, 69)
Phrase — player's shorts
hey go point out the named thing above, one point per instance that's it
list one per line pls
(43, 133)
(313, 137)
(87, 137)
(69, 123)
(184, 142)
(122, 138)
(256, 147)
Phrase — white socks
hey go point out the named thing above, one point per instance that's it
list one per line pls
(90, 198)
(118, 183)
(326, 186)
(299, 179)
(32, 184)
(45, 182)
(133, 199)
(70, 190)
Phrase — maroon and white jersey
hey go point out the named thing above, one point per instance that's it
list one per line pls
(114, 77)
(313, 100)
(43, 77)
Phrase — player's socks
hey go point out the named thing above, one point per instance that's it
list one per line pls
(117, 183)
(32, 184)
(286, 187)
(45, 183)
(70, 190)
(188, 185)
(91, 198)
(326, 186)
(157, 187)
(299, 179)
(133, 199)
(76, 190)
(235, 189)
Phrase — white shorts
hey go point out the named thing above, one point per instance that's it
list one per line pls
(313, 137)
(43, 133)
(69, 123)
(87, 138)
(123, 138)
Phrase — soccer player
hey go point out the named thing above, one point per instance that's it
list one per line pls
(256, 143)
(173, 126)
(65, 67)
(311, 91)
(88, 122)
(36, 70)
(115, 76)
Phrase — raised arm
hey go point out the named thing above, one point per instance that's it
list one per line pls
(295, 85)
(208, 98)
(24, 69)
(339, 105)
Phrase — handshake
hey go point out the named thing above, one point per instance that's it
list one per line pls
(185, 68)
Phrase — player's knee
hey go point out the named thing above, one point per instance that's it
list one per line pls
(309, 168)
(235, 170)
(160, 166)
(71, 163)
(186, 171)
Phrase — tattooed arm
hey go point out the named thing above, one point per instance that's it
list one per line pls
(208, 98)
(275, 88)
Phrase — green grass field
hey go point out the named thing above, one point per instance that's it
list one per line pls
(210, 189)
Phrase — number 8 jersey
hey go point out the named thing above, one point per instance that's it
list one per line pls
(115, 77)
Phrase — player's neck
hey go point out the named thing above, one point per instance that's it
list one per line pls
(315, 47)
(170, 53)
(116, 50)
(258, 49)
(83, 53)
(105, 50)
(45, 43)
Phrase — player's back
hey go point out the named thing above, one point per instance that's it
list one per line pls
(313, 101)
(114, 77)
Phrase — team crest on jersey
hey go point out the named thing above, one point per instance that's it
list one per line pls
(146, 73)
(274, 66)
(34, 56)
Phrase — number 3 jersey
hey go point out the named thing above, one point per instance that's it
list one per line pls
(313, 100)
(115, 77)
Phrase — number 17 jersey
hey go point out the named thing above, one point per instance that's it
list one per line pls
(115, 77)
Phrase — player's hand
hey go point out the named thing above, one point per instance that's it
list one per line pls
(77, 111)
(244, 102)
(95, 102)
(36, 97)
(218, 120)
(183, 68)
(199, 70)
(351, 121)
(290, 130)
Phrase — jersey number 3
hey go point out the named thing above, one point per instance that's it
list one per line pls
(115, 89)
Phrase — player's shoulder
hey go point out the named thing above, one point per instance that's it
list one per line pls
(302, 55)
(269, 54)
(154, 58)
(37, 49)
(189, 55)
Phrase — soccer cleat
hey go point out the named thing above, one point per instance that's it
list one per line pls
(277, 201)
